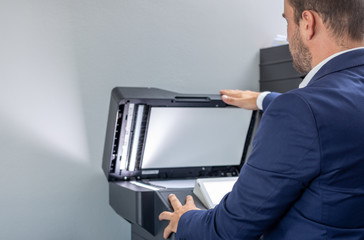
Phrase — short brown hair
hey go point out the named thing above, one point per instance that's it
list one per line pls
(342, 17)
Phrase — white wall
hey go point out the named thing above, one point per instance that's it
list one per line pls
(59, 60)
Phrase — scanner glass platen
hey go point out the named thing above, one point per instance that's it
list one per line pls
(180, 137)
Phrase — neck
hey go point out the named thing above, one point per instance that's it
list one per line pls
(329, 47)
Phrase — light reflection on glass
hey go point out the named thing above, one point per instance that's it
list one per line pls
(190, 137)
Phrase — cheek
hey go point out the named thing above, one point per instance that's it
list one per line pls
(290, 32)
(289, 35)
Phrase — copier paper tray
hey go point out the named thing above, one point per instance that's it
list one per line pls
(158, 134)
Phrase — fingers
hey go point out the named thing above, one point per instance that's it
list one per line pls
(176, 204)
(229, 100)
(190, 203)
(174, 217)
(231, 97)
(189, 200)
(231, 93)
(165, 216)
(242, 99)
(167, 231)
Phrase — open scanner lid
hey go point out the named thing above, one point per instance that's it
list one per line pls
(158, 134)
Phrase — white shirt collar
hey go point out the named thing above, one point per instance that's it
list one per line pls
(314, 70)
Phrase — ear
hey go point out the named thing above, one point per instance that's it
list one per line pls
(308, 24)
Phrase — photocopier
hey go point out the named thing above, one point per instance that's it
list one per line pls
(160, 142)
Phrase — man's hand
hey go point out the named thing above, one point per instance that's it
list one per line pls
(174, 217)
(239, 98)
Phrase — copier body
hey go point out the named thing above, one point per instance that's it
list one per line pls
(145, 127)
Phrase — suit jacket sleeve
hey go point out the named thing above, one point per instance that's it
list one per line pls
(269, 98)
(285, 158)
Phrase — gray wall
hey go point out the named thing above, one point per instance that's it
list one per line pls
(59, 60)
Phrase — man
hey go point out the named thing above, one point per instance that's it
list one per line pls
(305, 176)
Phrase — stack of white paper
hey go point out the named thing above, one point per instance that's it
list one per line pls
(210, 191)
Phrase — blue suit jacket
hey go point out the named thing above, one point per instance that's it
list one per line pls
(305, 176)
